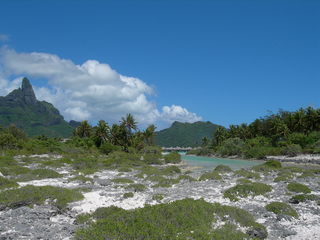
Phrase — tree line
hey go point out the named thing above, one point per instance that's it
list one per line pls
(124, 135)
(298, 131)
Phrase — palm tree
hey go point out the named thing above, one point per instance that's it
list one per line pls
(149, 133)
(220, 135)
(129, 122)
(83, 130)
(102, 132)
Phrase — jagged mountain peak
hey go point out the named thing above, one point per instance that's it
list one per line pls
(27, 92)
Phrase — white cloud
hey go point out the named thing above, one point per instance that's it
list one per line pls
(4, 38)
(92, 90)
(178, 113)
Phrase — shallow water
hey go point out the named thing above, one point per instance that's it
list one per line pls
(210, 162)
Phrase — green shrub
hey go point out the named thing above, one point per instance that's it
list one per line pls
(122, 180)
(303, 198)
(151, 158)
(223, 168)
(81, 179)
(30, 195)
(37, 174)
(299, 139)
(106, 212)
(298, 187)
(213, 175)
(247, 189)
(243, 180)
(8, 141)
(6, 183)
(281, 208)
(171, 170)
(231, 146)
(292, 150)
(284, 176)
(157, 197)
(107, 148)
(14, 170)
(172, 157)
(186, 178)
(137, 187)
(166, 182)
(273, 164)
(128, 195)
(183, 219)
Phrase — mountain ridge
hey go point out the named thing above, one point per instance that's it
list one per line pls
(21, 108)
(185, 134)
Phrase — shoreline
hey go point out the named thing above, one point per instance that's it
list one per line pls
(301, 159)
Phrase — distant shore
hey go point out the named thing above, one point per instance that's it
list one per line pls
(301, 159)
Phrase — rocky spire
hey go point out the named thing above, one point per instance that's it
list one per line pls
(27, 92)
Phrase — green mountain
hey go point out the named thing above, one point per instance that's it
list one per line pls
(21, 108)
(185, 134)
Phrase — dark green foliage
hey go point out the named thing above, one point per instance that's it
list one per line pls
(128, 195)
(172, 157)
(223, 168)
(231, 147)
(282, 208)
(284, 176)
(185, 134)
(6, 183)
(81, 179)
(136, 187)
(107, 148)
(298, 187)
(273, 164)
(30, 195)
(292, 150)
(213, 175)
(246, 189)
(183, 219)
(38, 174)
(157, 197)
(122, 180)
(303, 198)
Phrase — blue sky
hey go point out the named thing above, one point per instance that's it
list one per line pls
(227, 62)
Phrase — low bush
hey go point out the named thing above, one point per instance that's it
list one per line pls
(128, 195)
(6, 183)
(183, 219)
(136, 187)
(30, 195)
(223, 168)
(81, 178)
(122, 180)
(281, 208)
(247, 174)
(172, 157)
(303, 198)
(213, 175)
(292, 150)
(298, 187)
(284, 176)
(37, 174)
(246, 189)
(157, 197)
(107, 148)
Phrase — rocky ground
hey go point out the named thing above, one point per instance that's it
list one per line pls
(48, 222)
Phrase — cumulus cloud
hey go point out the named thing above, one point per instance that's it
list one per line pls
(92, 90)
